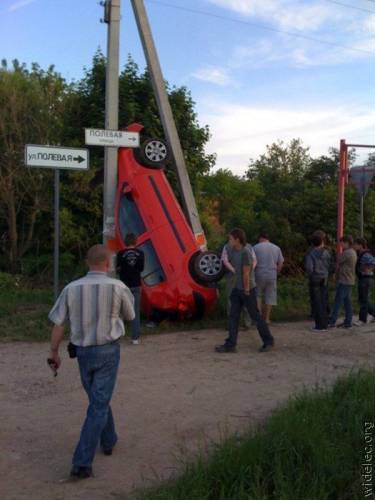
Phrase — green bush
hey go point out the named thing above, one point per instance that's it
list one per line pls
(10, 282)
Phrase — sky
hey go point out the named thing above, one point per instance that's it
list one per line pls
(259, 71)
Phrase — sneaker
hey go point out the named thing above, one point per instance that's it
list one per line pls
(266, 348)
(315, 329)
(359, 323)
(224, 348)
(331, 326)
(343, 325)
(135, 342)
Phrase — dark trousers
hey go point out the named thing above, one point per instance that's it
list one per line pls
(312, 301)
(365, 308)
(239, 300)
(319, 295)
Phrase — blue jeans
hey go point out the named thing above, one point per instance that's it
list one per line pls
(135, 324)
(239, 300)
(98, 368)
(365, 307)
(343, 296)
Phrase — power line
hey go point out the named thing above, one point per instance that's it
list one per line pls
(262, 26)
(349, 6)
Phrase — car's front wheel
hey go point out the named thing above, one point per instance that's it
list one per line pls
(207, 267)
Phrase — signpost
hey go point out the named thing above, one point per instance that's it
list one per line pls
(361, 177)
(115, 138)
(57, 158)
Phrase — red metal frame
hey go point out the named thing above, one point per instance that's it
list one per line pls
(343, 179)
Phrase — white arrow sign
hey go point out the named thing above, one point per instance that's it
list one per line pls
(114, 138)
(56, 157)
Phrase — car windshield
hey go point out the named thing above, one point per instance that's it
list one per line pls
(153, 272)
(129, 217)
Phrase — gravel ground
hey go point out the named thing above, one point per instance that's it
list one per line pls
(174, 395)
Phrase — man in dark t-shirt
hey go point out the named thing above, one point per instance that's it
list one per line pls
(243, 295)
(129, 265)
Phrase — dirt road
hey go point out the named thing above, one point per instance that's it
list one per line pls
(173, 395)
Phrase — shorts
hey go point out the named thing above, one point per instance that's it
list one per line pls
(267, 291)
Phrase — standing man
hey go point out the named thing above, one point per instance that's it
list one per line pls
(364, 269)
(130, 264)
(270, 261)
(95, 307)
(318, 265)
(230, 278)
(345, 279)
(243, 295)
(323, 235)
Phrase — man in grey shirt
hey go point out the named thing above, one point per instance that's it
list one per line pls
(95, 307)
(270, 261)
(243, 295)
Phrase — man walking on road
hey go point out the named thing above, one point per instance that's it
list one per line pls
(130, 264)
(230, 278)
(95, 307)
(243, 295)
(270, 261)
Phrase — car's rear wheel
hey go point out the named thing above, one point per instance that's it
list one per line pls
(152, 153)
(207, 267)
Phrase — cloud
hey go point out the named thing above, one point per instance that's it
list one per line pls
(286, 14)
(241, 132)
(368, 25)
(212, 74)
(20, 5)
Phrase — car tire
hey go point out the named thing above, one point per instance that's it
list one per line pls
(152, 153)
(207, 267)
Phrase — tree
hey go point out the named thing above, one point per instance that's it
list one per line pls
(32, 104)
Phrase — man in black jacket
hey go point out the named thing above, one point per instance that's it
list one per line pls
(130, 264)
(318, 265)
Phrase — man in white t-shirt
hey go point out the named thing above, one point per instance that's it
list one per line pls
(269, 263)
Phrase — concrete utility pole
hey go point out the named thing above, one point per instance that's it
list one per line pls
(166, 115)
(112, 18)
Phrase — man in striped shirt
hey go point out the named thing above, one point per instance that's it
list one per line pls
(95, 307)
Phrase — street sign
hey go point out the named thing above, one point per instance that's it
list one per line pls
(361, 177)
(56, 157)
(114, 138)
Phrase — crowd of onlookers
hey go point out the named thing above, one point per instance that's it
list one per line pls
(251, 283)
(354, 262)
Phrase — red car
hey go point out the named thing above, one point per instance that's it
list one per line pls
(179, 278)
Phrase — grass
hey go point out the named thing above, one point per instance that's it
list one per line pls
(23, 311)
(23, 314)
(309, 449)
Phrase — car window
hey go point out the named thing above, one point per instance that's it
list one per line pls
(153, 272)
(129, 217)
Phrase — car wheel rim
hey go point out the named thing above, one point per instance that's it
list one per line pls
(156, 151)
(210, 264)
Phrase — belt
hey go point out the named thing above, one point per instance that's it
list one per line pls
(98, 345)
